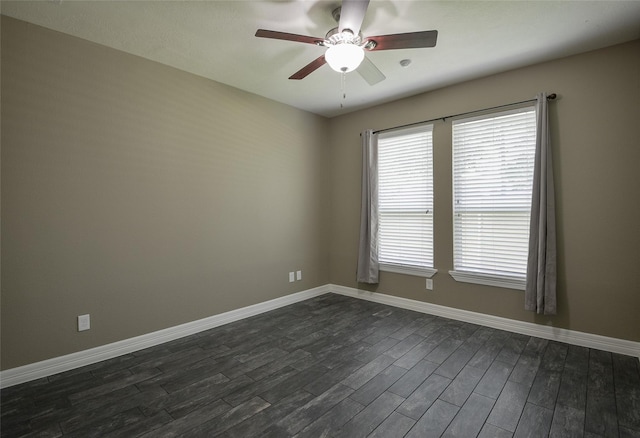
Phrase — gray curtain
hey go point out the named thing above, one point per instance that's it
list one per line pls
(368, 268)
(540, 290)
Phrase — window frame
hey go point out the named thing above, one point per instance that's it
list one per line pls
(401, 268)
(478, 277)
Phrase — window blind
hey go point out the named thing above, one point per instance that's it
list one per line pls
(493, 158)
(405, 198)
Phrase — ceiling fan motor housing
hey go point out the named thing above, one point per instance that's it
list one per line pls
(334, 37)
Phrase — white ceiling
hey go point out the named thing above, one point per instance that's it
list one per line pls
(215, 39)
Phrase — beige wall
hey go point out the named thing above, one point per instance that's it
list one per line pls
(145, 196)
(596, 145)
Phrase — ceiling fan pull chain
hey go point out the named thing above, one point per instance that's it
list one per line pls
(343, 88)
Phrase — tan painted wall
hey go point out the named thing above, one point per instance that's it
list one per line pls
(145, 196)
(596, 142)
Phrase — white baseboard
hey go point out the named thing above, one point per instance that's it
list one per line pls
(598, 342)
(27, 373)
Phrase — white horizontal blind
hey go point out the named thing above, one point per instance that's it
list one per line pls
(405, 198)
(493, 158)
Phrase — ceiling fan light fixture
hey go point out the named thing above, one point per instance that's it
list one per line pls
(344, 57)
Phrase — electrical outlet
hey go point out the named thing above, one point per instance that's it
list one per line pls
(292, 277)
(84, 322)
(429, 283)
(298, 275)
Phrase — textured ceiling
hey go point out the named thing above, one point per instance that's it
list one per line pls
(215, 39)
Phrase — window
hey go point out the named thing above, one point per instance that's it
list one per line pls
(405, 201)
(493, 159)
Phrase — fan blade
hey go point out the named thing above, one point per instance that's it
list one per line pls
(411, 40)
(262, 33)
(370, 72)
(309, 68)
(352, 15)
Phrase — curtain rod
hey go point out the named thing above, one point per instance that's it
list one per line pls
(551, 96)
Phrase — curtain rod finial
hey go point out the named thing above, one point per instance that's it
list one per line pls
(552, 96)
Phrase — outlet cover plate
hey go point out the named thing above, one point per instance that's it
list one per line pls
(84, 322)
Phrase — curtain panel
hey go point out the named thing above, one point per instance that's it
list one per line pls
(540, 289)
(368, 267)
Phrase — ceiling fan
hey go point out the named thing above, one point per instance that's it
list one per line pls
(346, 46)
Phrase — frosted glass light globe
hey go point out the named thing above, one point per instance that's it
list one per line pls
(344, 57)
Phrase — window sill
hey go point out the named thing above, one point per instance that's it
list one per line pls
(409, 270)
(488, 280)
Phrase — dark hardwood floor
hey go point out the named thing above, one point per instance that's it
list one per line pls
(340, 367)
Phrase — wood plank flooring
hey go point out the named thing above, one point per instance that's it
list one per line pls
(335, 366)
